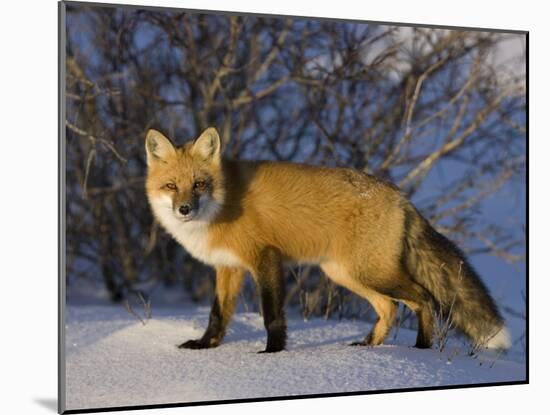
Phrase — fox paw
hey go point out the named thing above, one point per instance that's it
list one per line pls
(367, 341)
(194, 344)
(273, 348)
(423, 345)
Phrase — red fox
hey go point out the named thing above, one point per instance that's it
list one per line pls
(254, 216)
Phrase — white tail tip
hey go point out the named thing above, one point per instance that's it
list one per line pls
(501, 340)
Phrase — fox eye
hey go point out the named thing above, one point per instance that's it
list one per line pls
(171, 186)
(199, 185)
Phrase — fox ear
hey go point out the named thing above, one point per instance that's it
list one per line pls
(208, 146)
(158, 147)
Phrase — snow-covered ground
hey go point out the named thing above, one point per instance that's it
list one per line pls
(112, 359)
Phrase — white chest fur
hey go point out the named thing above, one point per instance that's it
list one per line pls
(192, 235)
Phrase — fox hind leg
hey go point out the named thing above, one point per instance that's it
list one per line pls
(420, 301)
(383, 305)
(425, 324)
(382, 294)
(386, 309)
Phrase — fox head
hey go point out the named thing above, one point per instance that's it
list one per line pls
(184, 183)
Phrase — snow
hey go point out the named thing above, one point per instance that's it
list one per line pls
(112, 359)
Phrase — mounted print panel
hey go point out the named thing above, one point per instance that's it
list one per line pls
(265, 207)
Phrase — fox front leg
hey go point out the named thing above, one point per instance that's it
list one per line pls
(271, 284)
(228, 285)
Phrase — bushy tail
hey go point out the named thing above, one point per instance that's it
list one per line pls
(440, 267)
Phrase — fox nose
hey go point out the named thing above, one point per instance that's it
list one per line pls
(185, 209)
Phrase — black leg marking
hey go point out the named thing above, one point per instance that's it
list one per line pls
(272, 292)
(213, 334)
(274, 320)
